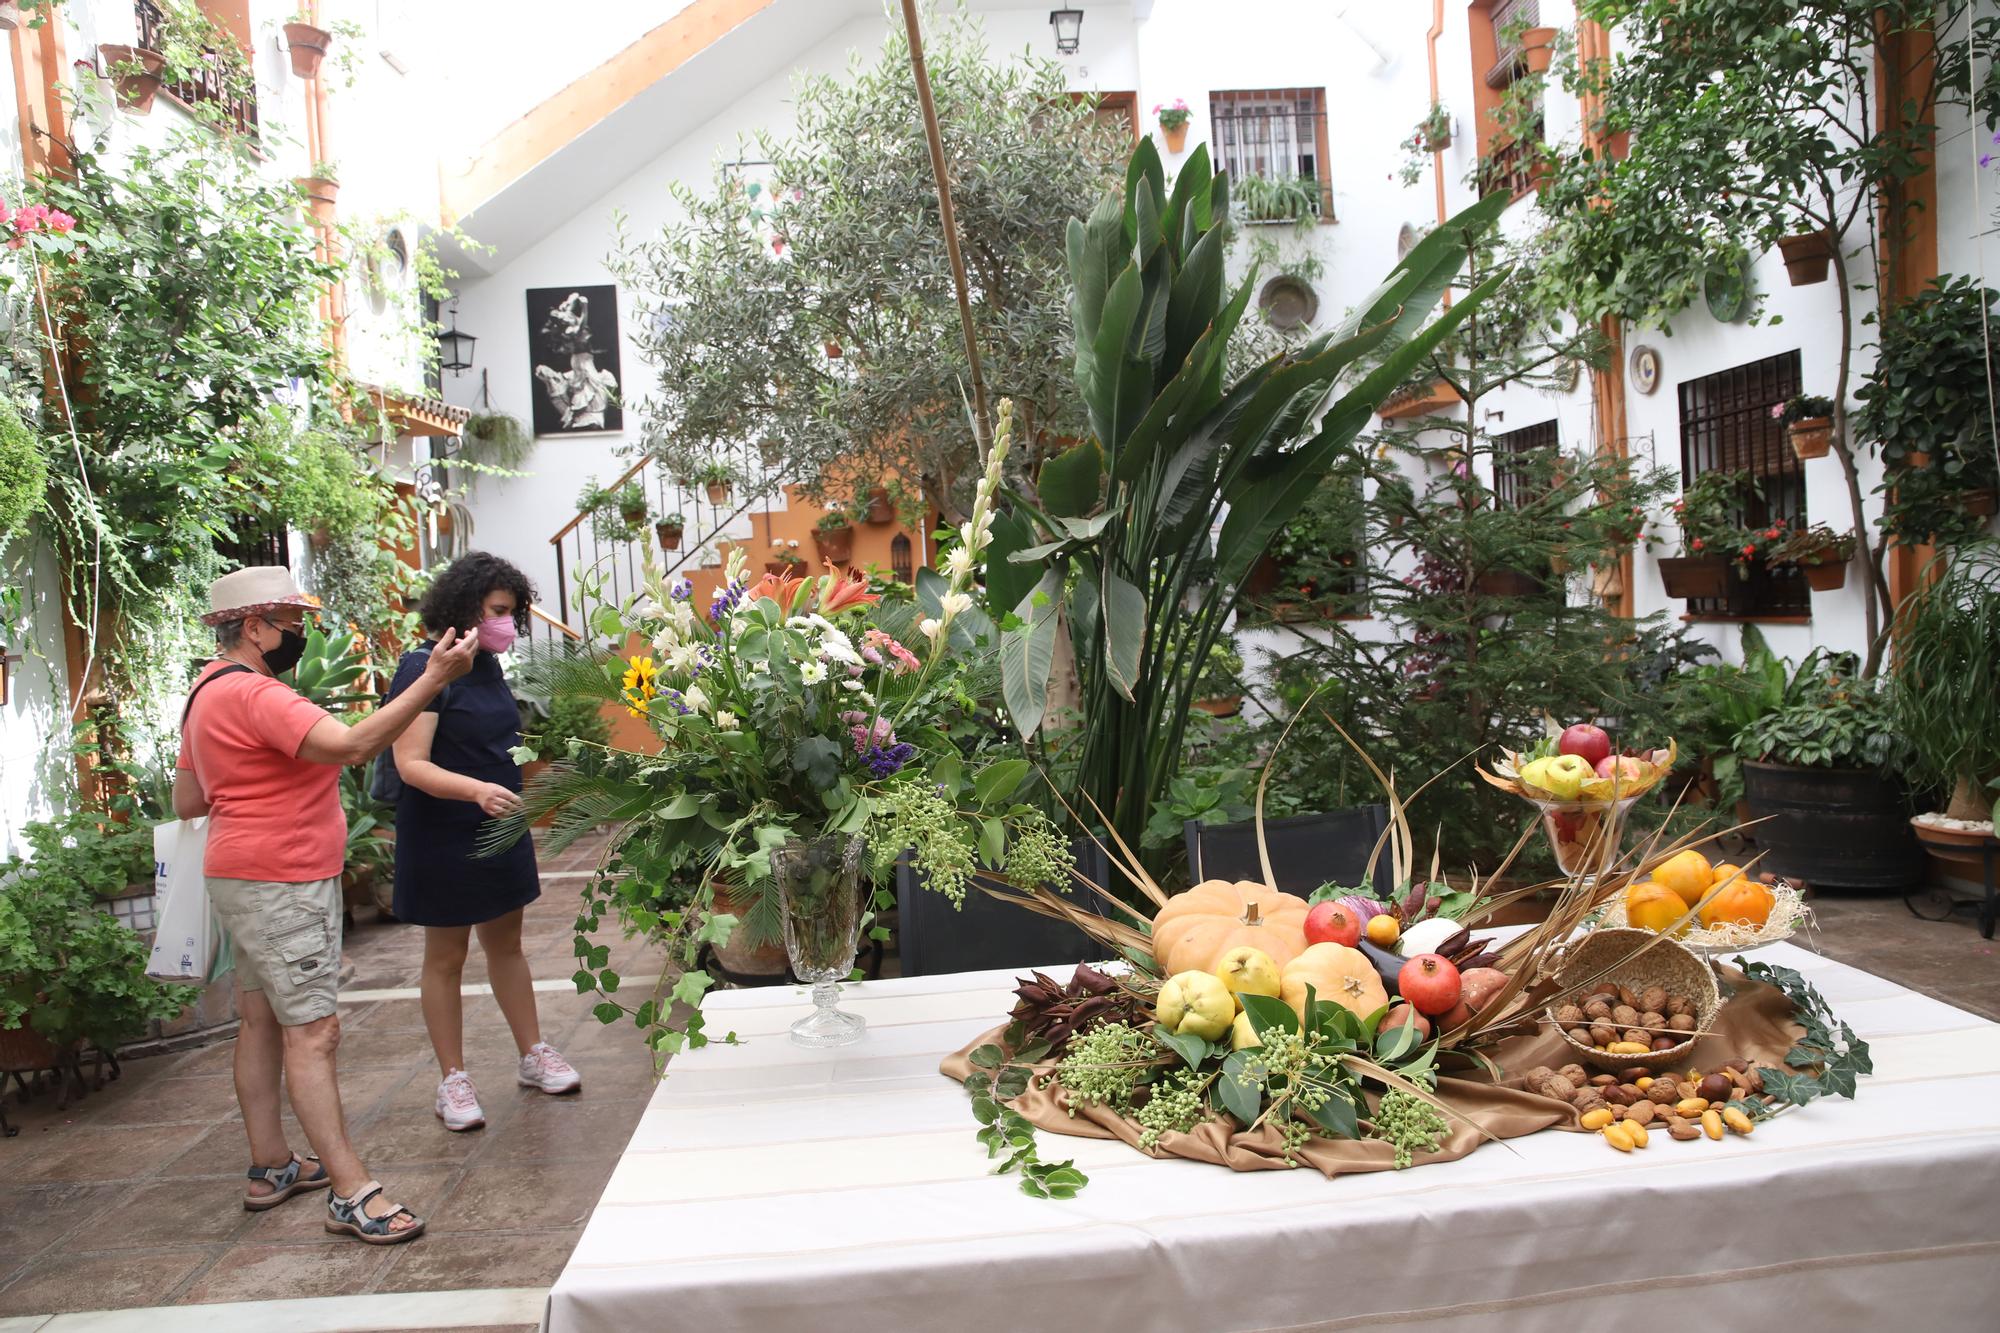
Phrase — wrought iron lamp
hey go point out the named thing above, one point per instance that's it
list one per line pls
(1068, 24)
(454, 347)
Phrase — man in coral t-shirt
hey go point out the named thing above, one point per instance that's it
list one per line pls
(264, 765)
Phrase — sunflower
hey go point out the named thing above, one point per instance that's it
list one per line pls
(641, 684)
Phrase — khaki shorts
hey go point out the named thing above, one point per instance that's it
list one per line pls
(287, 942)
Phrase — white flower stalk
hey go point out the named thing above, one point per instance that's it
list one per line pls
(666, 643)
(974, 535)
(646, 609)
(725, 720)
(695, 699)
(931, 628)
(955, 604)
(733, 568)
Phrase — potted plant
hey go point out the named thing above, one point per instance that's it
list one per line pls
(1432, 135)
(719, 479)
(321, 188)
(1219, 687)
(1538, 49)
(1821, 554)
(1706, 513)
(669, 530)
(785, 561)
(10, 15)
(1926, 407)
(1820, 770)
(631, 504)
(307, 46)
(881, 509)
(1808, 422)
(1806, 256)
(1174, 123)
(1947, 640)
(1284, 200)
(834, 536)
(135, 70)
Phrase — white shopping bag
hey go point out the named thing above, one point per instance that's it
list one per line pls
(184, 936)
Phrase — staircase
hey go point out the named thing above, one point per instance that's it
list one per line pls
(593, 571)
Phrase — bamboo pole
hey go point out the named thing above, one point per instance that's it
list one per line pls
(981, 434)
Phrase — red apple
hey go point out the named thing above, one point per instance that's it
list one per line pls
(1623, 767)
(1330, 923)
(1430, 982)
(1589, 743)
(1400, 1014)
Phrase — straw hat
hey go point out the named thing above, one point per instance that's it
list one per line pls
(253, 591)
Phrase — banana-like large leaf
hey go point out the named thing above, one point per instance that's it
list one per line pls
(1028, 653)
(1006, 582)
(1143, 175)
(1189, 204)
(1097, 252)
(1257, 514)
(1069, 481)
(1124, 631)
(1413, 287)
(1121, 385)
(1187, 400)
(1197, 294)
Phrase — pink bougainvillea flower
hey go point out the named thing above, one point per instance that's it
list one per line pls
(60, 222)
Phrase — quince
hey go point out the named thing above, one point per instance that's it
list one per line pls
(1248, 970)
(1653, 906)
(1195, 1004)
(1241, 1034)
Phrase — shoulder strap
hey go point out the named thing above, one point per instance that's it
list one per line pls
(206, 681)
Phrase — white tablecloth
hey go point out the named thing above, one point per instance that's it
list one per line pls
(769, 1187)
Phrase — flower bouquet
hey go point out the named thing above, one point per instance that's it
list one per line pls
(804, 732)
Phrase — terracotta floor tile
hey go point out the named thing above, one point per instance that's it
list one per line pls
(559, 1129)
(67, 1281)
(33, 1217)
(200, 1099)
(261, 1272)
(508, 1198)
(412, 1139)
(445, 1260)
(86, 1152)
(159, 1213)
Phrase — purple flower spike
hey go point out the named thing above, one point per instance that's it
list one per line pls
(1985, 159)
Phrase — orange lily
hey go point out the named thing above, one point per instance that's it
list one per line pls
(780, 588)
(837, 593)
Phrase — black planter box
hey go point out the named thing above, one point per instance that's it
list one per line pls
(934, 937)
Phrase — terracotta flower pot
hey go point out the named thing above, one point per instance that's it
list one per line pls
(669, 535)
(1917, 458)
(718, 492)
(1228, 706)
(1826, 576)
(1538, 49)
(10, 15)
(1806, 257)
(1982, 503)
(880, 509)
(1176, 138)
(136, 87)
(307, 46)
(321, 194)
(739, 957)
(1810, 437)
(1505, 582)
(24, 1050)
(1690, 576)
(634, 516)
(779, 568)
(835, 544)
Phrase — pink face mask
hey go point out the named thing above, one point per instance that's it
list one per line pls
(496, 634)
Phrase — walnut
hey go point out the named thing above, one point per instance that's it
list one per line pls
(1575, 1073)
(1679, 1004)
(1619, 1097)
(1639, 1035)
(1625, 1016)
(1653, 997)
(1587, 1100)
(1569, 1015)
(1603, 1034)
(1598, 1008)
(1653, 1019)
(1558, 1087)
(1681, 1022)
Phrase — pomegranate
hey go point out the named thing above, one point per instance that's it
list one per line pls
(1430, 982)
(1332, 923)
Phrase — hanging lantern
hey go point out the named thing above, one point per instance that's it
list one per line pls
(1068, 24)
(454, 347)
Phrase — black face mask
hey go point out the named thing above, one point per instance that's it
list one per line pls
(291, 647)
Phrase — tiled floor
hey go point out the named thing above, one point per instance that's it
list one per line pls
(130, 1197)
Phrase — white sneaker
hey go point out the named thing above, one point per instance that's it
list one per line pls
(458, 1103)
(543, 1067)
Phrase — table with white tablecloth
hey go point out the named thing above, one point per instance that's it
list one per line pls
(770, 1187)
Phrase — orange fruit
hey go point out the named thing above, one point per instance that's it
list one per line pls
(1650, 905)
(1741, 899)
(1382, 930)
(1688, 874)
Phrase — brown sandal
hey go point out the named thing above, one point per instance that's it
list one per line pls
(350, 1217)
(285, 1181)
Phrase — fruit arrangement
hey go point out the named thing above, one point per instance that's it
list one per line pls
(1626, 997)
(1616, 1020)
(1708, 906)
(1687, 1105)
(1578, 765)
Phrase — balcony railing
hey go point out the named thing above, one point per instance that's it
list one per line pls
(212, 84)
(1513, 166)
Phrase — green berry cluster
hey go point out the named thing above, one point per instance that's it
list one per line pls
(912, 814)
(1410, 1123)
(1104, 1065)
(1175, 1107)
(1037, 854)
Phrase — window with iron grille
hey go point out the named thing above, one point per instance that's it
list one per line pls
(211, 83)
(1727, 426)
(249, 546)
(1273, 134)
(1522, 461)
(1509, 18)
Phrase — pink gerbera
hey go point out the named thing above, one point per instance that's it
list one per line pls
(904, 659)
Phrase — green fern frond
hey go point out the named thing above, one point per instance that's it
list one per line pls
(553, 671)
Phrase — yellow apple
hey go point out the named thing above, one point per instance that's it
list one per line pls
(1195, 1004)
(1241, 1034)
(1248, 970)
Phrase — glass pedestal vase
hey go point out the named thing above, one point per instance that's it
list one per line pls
(1588, 837)
(821, 897)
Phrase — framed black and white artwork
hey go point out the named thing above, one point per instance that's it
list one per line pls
(573, 348)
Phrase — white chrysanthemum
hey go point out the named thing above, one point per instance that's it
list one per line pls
(835, 646)
(725, 720)
(812, 673)
(695, 699)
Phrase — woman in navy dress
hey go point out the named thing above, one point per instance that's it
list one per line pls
(457, 773)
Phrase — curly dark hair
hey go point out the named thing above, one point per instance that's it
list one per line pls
(457, 595)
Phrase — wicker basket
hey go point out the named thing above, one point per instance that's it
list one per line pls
(1665, 964)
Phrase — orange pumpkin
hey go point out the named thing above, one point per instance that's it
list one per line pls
(1741, 899)
(1337, 973)
(1196, 928)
